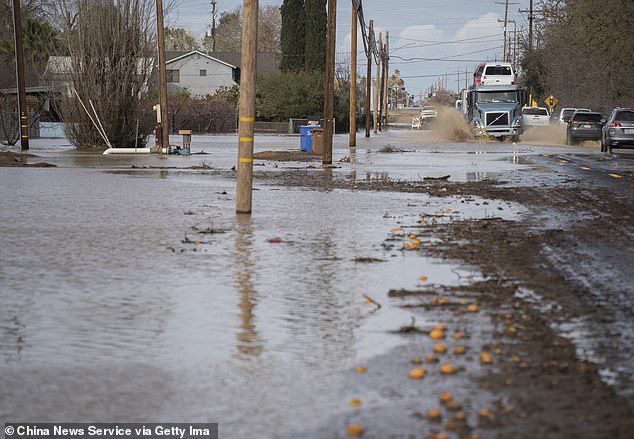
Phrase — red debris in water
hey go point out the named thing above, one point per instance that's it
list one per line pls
(276, 240)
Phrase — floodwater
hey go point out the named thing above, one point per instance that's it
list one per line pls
(137, 294)
(131, 291)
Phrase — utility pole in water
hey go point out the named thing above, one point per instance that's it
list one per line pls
(386, 80)
(246, 126)
(368, 80)
(378, 88)
(353, 80)
(165, 140)
(19, 71)
(329, 94)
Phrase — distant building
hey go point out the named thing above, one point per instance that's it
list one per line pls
(203, 73)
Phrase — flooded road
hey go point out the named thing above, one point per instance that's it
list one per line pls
(131, 290)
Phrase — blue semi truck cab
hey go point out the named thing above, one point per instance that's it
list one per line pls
(496, 110)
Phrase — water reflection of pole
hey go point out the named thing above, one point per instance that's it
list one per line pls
(248, 343)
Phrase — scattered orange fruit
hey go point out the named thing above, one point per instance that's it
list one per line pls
(368, 302)
(431, 359)
(423, 278)
(451, 426)
(407, 245)
(412, 236)
(454, 405)
(440, 348)
(459, 416)
(396, 229)
(361, 369)
(442, 301)
(463, 301)
(417, 373)
(486, 413)
(448, 369)
(354, 430)
(434, 415)
(485, 358)
(457, 335)
(472, 308)
(445, 397)
(355, 402)
(459, 350)
(437, 334)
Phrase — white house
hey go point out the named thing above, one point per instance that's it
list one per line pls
(199, 73)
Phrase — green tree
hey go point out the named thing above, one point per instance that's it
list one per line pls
(316, 26)
(283, 95)
(292, 36)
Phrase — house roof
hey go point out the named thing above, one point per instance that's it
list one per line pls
(266, 61)
(196, 52)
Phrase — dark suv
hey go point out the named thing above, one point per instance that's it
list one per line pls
(584, 125)
(618, 131)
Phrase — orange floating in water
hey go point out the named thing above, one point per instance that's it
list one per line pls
(355, 402)
(423, 278)
(442, 301)
(472, 308)
(354, 430)
(448, 369)
(485, 358)
(437, 334)
(459, 350)
(441, 349)
(431, 359)
(445, 397)
(361, 369)
(434, 415)
(396, 229)
(417, 373)
(457, 335)
(454, 405)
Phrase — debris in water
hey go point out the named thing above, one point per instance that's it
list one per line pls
(354, 430)
(417, 373)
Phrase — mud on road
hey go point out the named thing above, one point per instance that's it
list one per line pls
(568, 261)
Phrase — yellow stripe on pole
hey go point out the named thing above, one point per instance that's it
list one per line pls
(245, 160)
(247, 119)
(246, 139)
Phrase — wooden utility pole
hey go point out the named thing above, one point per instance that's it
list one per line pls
(368, 80)
(353, 80)
(530, 26)
(386, 77)
(506, 17)
(377, 88)
(329, 95)
(246, 126)
(19, 71)
(165, 139)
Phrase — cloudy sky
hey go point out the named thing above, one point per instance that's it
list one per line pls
(428, 38)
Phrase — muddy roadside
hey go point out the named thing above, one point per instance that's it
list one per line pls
(9, 158)
(566, 261)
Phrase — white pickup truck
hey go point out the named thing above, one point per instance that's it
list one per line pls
(428, 114)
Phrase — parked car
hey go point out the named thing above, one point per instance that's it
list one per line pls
(618, 131)
(535, 117)
(565, 114)
(494, 74)
(584, 125)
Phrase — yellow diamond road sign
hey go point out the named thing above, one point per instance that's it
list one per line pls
(551, 101)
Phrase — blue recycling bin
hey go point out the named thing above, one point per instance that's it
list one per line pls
(306, 137)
